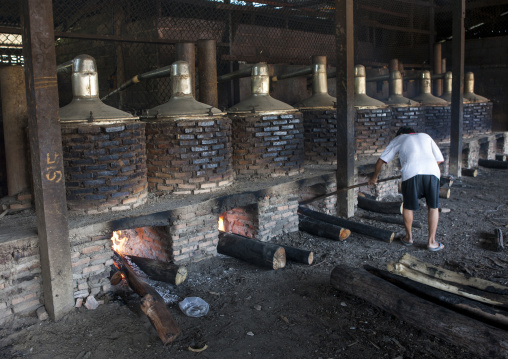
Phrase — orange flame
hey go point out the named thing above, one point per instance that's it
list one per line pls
(221, 223)
(118, 242)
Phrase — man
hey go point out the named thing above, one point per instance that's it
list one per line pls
(419, 157)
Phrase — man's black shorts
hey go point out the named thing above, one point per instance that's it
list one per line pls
(420, 186)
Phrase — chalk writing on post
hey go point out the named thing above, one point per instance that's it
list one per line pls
(51, 173)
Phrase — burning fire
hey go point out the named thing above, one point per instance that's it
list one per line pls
(221, 223)
(118, 242)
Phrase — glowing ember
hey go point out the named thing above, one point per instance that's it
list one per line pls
(118, 242)
(221, 224)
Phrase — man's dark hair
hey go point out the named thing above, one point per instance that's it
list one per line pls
(404, 130)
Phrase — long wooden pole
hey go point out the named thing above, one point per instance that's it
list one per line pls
(457, 329)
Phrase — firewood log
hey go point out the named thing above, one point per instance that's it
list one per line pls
(467, 292)
(457, 329)
(493, 164)
(161, 271)
(452, 301)
(378, 233)
(444, 192)
(501, 157)
(379, 206)
(499, 239)
(451, 276)
(298, 255)
(252, 251)
(469, 172)
(446, 181)
(322, 229)
(151, 304)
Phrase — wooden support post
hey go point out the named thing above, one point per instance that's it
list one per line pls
(345, 106)
(458, 45)
(47, 164)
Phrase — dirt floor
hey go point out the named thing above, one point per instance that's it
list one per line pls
(293, 312)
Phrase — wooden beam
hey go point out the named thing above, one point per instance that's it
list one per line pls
(383, 11)
(458, 46)
(345, 105)
(377, 24)
(46, 153)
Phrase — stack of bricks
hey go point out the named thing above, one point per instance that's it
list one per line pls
(373, 131)
(325, 205)
(320, 137)
(502, 143)
(438, 122)
(194, 233)
(20, 279)
(410, 116)
(91, 258)
(477, 118)
(470, 153)
(189, 156)
(270, 145)
(16, 203)
(488, 146)
(105, 166)
(277, 214)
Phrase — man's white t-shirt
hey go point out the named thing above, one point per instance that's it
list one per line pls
(418, 154)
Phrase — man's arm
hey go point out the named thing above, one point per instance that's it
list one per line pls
(377, 171)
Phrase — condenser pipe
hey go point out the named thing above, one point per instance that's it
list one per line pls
(186, 51)
(245, 72)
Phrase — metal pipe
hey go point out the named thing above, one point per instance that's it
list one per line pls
(245, 72)
(186, 51)
(300, 72)
(153, 74)
(360, 95)
(207, 72)
(66, 67)
(469, 89)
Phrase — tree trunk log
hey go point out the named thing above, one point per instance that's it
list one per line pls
(152, 303)
(444, 192)
(457, 329)
(499, 240)
(446, 181)
(379, 206)
(469, 172)
(322, 229)
(259, 253)
(501, 157)
(161, 271)
(298, 255)
(360, 228)
(493, 164)
(451, 276)
(462, 305)
(393, 220)
(467, 292)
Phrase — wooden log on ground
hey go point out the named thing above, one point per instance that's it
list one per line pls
(467, 292)
(379, 206)
(455, 302)
(469, 172)
(444, 192)
(322, 229)
(457, 329)
(378, 233)
(259, 253)
(451, 276)
(152, 303)
(499, 239)
(501, 157)
(393, 220)
(493, 164)
(161, 271)
(446, 181)
(298, 255)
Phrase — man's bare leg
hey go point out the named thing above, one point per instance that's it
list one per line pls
(433, 220)
(407, 215)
